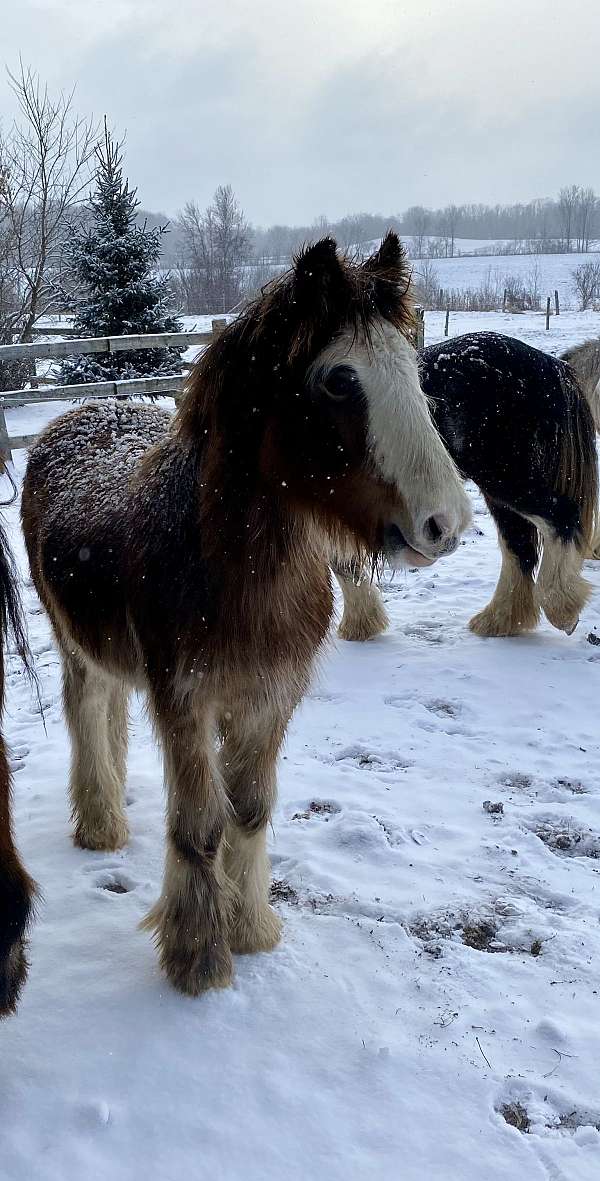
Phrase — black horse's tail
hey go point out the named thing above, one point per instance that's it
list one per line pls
(577, 461)
(584, 359)
(17, 890)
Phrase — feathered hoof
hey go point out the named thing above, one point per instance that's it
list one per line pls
(490, 623)
(107, 837)
(365, 619)
(250, 934)
(193, 960)
(562, 623)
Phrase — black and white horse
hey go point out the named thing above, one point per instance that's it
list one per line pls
(516, 424)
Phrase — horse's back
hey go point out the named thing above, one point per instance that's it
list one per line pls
(96, 445)
(76, 508)
(498, 400)
(494, 376)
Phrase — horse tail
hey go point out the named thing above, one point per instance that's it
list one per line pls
(584, 360)
(577, 461)
(17, 890)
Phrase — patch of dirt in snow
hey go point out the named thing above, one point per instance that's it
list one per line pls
(567, 838)
(322, 808)
(485, 931)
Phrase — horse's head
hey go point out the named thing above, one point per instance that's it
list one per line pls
(320, 374)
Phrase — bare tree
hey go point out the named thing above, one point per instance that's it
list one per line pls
(587, 204)
(426, 284)
(43, 177)
(210, 274)
(417, 220)
(586, 283)
(449, 223)
(568, 199)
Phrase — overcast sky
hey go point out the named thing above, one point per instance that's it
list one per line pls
(312, 107)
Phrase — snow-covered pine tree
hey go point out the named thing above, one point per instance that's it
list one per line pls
(113, 265)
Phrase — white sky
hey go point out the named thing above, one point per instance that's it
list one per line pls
(328, 106)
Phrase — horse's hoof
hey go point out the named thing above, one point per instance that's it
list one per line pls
(262, 934)
(569, 630)
(109, 837)
(489, 625)
(193, 960)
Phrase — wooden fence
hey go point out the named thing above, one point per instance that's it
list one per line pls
(135, 387)
(170, 385)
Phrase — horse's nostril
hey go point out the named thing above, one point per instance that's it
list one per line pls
(434, 528)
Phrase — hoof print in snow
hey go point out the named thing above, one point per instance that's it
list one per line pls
(323, 808)
(114, 883)
(481, 936)
(573, 785)
(568, 839)
(546, 1112)
(493, 809)
(479, 932)
(516, 781)
(358, 757)
(516, 1116)
(430, 633)
(443, 709)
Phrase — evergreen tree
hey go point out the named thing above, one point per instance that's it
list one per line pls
(113, 263)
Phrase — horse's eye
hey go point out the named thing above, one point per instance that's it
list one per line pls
(340, 383)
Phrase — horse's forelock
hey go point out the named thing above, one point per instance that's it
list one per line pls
(297, 314)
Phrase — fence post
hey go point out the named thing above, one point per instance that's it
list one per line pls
(419, 328)
(5, 451)
(447, 321)
(504, 298)
(218, 326)
(556, 303)
(547, 313)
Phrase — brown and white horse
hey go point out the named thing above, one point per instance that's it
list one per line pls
(16, 887)
(185, 557)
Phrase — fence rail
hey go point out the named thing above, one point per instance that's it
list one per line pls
(149, 386)
(44, 350)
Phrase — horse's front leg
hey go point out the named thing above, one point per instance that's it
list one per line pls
(190, 919)
(249, 759)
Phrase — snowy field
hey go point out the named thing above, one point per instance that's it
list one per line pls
(546, 272)
(434, 1007)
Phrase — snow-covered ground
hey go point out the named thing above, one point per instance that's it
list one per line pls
(568, 329)
(434, 1007)
(544, 272)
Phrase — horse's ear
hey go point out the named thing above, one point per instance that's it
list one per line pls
(390, 273)
(319, 274)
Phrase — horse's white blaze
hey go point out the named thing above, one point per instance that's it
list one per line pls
(406, 449)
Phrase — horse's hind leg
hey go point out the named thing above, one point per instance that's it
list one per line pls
(248, 758)
(190, 921)
(96, 712)
(16, 896)
(514, 607)
(364, 613)
(563, 591)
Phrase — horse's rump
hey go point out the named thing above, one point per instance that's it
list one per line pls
(584, 360)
